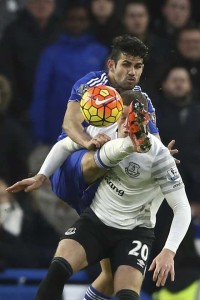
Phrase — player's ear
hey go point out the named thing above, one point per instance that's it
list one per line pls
(111, 65)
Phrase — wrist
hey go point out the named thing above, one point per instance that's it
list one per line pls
(40, 177)
(169, 252)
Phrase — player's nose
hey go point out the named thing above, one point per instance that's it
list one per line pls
(126, 122)
(131, 71)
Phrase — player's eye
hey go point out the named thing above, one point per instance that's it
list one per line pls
(123, 118)
(138, 66)
(126, 63)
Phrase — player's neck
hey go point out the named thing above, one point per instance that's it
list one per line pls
(112, 81)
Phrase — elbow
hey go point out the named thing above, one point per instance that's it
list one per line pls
(188, 214)
(66, 127)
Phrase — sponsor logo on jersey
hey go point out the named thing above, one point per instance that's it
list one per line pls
(177, 185)
(173, 174)
(70, 231)
(132, 170)
(113, 186)
(141, 263)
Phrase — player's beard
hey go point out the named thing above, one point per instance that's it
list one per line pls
(125, 86)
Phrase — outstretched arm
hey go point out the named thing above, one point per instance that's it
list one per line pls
(163, 263)
(56, 157)
(58, 154)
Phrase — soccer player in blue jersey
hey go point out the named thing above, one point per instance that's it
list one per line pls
(125, 66)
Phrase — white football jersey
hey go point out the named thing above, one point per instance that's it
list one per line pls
(137, 187)
(110, 130)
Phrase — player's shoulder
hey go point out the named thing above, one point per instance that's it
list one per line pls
(138, 88)
(157, 147)
(93, 78)
(90, 79)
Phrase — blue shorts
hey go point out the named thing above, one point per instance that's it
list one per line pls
(69, 185)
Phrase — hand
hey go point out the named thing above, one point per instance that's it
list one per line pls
(97, 141)
(28, 184)
(173, 151)
(162, 265)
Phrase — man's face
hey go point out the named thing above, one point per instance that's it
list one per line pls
(126, 73)
(77, 21)
(122, 122)
(177, 12)
(102, 8)
(178, 83)
(136, 19)
(189, 44)
(41, 9)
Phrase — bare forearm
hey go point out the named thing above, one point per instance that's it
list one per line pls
(77, 133)
(72, 125)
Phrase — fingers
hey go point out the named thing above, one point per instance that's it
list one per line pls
(174, 151)
(17, 187)
(160, 275)
(172, 273)
(34, 186)
(171, 144)
(152, 266)
(20, 185)
(177, 161)
(99, 140)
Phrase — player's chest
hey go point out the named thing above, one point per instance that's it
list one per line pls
(133, 172)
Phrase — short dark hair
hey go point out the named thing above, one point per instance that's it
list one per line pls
(130, 95)
(190, 27)
(136, 2)
(128, 44)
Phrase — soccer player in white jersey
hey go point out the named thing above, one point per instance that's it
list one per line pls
(133, 191)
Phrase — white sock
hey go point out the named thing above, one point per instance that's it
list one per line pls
(113, 152)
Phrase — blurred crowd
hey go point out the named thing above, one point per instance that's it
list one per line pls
(45, 47)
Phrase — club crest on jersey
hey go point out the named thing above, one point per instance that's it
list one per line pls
(132, 170)
(70, 231)
(82, 89)
(172, 174)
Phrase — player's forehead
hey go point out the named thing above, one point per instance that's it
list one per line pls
(125, 57)
(125, 110)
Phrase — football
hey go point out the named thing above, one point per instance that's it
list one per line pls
(101, 105)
